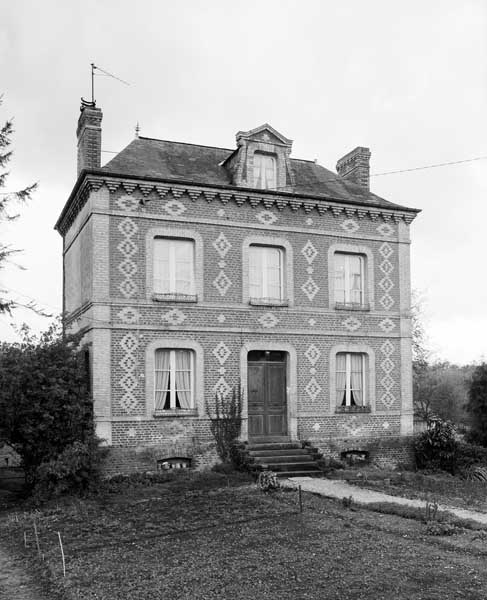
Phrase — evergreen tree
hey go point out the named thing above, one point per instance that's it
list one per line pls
(477, 405)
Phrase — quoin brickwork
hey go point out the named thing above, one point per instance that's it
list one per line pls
(109, 226)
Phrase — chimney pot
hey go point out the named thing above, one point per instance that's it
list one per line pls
(355, 166)
(88, 133)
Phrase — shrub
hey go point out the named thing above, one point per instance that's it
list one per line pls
(76, 470)
(470, 454)
(477, 405)
(226, 424)
(436, 447)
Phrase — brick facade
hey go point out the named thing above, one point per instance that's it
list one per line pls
(109, 227)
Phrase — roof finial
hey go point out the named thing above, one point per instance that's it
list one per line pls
(137, 130)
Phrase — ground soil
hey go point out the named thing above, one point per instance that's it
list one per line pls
(217, 540)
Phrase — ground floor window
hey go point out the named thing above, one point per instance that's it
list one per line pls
(350, 379)
(174, 377)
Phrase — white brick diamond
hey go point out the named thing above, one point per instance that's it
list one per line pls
(221, 352)
(128, 268)
(387, 325)
(313, 354)
(386, 425)
(129, 342)
(352, 324)
(174, 208)
(128, 362)
(385, 229)
(221, 318)
(385, 250)
(350, 226)
(310, 270)
(313, 388)
(174, 316)
(222, 264)
(387, 365)
(387, 382)
(386, 301)
(387, 399)
(222, 389)
(309, 252)
(127, 247)
(222, 245)
(268, 320)
(128, 227)
(128, 402)
(311, 322)
(222, 283)
(129, 315)
(386, 266)
(387, 348)
(128, 288)
(309, 221)
(266, 217)
(220, 212)
(353, 426)
(386, 284)
(127, 202)
(310, 288)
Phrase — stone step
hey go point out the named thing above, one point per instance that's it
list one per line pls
(291, 466)
(285, 452)
(274, 446)
(287, 458)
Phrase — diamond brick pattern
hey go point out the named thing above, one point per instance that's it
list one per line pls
(310, 288)
(313, 388)
(127, 202)
(266, 217)
(174, 208)
(386, 284)
(222, 245)
(129, 315)
(313, 354)
(387, 325)
(352, 324)
(268, 320)
(309, 252)
(387, 366)
(353, 427)
(221, 352)
(127, 248)
(350, 226)
(174, 317)
(128, 363)
(386, 229)
(222, 389)
(222, 283)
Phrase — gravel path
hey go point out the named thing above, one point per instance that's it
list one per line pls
(332, 488)
(15, 582)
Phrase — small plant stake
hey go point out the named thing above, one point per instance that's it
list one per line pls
(25, 539)
(62, 553)
(37, 539)
(300, 496)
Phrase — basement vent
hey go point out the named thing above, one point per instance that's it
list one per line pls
(174, 462)
(353, 457)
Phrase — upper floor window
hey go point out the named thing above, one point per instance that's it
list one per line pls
(173, 379)
(266, 273)
(350, 379)
(174, 267)
(264, 171)
(349, 279)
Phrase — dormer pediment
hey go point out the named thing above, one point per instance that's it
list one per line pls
(264, 134)
(261, 159)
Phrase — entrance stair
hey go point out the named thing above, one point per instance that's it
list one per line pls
(284, 458)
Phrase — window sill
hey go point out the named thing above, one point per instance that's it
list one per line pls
(175, 297)
(176, 412)
(268, 302)
(352, 409)
(352, 306)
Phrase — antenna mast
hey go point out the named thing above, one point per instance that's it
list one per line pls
(92, 104)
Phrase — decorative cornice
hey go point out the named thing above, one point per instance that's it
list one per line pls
(268, 199)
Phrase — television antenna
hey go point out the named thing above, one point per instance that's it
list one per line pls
(102, 73)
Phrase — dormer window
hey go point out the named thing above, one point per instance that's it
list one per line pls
(264, 171)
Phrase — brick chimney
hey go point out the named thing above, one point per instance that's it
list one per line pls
(355, 166)
(88, 133)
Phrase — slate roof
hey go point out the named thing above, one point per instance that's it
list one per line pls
(161, 159)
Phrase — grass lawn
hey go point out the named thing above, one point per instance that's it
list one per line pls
(213, 537)
(441, 487)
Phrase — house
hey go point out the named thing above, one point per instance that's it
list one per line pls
(192, 268)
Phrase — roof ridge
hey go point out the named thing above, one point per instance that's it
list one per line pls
(142, 137)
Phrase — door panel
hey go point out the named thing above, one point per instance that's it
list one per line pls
(267, 405)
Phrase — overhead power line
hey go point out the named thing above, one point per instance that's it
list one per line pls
(445, 164)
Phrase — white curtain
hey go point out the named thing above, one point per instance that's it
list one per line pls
(341, 378)
(356, 378)
(162, 370)
(183, 378)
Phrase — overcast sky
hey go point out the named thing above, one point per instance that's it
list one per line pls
(408, 80)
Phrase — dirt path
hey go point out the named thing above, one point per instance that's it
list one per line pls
(15, 582)
(333, 488)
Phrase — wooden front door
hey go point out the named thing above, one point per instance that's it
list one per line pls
(267, 406)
